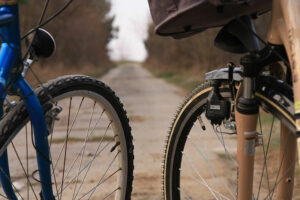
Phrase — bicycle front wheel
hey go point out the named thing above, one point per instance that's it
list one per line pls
(91, 150)
(200, 159)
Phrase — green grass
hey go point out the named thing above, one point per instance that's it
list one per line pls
(99, 73)
(266, 121)
(166, 75)
(222, 155)
(172, 77)
(77, 139)
(187, 82)
(188, 79)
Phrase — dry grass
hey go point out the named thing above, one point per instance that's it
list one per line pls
(186, 79)
(48, 72)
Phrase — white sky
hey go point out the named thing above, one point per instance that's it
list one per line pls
(132, 17)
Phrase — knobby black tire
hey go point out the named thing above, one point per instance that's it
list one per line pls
(18, 116)
(274, 96)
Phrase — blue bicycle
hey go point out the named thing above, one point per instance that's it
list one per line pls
(68, 139)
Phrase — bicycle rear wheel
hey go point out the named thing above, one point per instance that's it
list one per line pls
(90, 142)
(200, 160)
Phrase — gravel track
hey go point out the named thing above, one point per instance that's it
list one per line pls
(150, 103)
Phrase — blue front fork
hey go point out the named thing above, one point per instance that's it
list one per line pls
(10, 57)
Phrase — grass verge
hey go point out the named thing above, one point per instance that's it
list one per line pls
(186, 79)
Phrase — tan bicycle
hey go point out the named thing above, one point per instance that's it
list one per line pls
(235, 137)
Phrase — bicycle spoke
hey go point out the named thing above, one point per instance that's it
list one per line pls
(281, 179)
(227, 160)
(90, 121)
(203, 154)
(26, 175)
(83, 140)
(198, 174)
(92, 159)
(100, 181)
(103, 181)
(68, 129)
(110, 193)
(226, 150)
(87, 165)
(53, 174)
(1, 195)
(265, 166)
(184, 194)
(198, 181)
(212, 170)
(228, 156)
(27, 166)
(50, 154)
(66, 146)
(8, 178)
(281, 162)
(80, 152)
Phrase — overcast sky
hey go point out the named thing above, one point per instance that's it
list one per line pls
(132, 18)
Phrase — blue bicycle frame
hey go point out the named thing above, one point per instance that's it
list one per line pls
(10, 77)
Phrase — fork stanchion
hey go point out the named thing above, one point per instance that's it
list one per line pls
(246, 115)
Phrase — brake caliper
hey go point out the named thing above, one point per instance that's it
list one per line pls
(51, 116)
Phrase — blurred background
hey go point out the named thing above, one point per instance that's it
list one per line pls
(82, 34)
(93, 36)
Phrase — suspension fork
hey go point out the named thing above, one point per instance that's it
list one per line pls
(40, 136)
(41, 144)
(246, 114)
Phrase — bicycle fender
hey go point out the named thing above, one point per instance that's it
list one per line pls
(223, 74)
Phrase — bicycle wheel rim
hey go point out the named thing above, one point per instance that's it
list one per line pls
(116, 128)
(177, 143)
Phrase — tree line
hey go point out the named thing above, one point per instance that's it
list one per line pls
(196, 54)
(81, 32)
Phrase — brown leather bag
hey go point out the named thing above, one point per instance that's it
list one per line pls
(182, 18)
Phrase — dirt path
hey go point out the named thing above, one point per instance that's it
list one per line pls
(151, 103)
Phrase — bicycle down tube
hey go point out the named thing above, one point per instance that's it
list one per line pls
(284, 30)
(10, 77)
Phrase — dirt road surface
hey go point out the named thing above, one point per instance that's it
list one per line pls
(151, 104)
